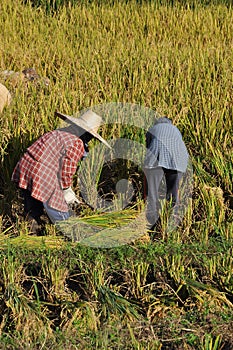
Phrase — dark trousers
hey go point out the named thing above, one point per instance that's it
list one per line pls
(155, 193)
(32, 207)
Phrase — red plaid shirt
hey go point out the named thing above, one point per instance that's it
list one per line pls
(48, 167)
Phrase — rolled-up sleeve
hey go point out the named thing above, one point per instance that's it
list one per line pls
(69, 164)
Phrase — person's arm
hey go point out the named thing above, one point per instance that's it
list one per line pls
(148, 139)
(69, 165)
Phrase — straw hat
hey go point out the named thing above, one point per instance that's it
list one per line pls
(5, 97)
(89, 121)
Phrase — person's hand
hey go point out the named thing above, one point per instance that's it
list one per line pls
(70, 196)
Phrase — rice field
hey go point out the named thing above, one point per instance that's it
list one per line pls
(176, 292)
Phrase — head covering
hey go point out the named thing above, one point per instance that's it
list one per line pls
(5, 97)
(89, 121)
(163, 119)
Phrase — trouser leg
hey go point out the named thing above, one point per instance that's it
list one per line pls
(153, 177)
(32, 207)
(55, 215)
(173, 178)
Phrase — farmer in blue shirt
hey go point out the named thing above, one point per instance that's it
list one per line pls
(166, 157)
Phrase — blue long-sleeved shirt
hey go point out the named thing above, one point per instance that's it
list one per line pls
(165, 147)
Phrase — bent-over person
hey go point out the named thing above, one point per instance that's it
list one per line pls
(166, 157)
(45, 171)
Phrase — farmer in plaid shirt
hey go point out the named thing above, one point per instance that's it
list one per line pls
(166, 157)
(45, 171)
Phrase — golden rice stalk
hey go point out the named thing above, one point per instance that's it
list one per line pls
(217, 193)
(33, 242)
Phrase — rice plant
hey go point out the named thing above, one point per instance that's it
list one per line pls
(108, 287)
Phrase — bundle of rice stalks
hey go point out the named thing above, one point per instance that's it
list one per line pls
(105, 230)
(35, 242)
(100, 230)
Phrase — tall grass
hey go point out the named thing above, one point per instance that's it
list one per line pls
(173, 57)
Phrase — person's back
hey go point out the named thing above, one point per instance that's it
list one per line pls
(165, 147)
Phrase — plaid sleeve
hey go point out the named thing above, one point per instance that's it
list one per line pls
(69, 164)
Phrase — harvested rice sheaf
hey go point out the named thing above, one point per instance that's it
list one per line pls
(34, 242)
(105, 230)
